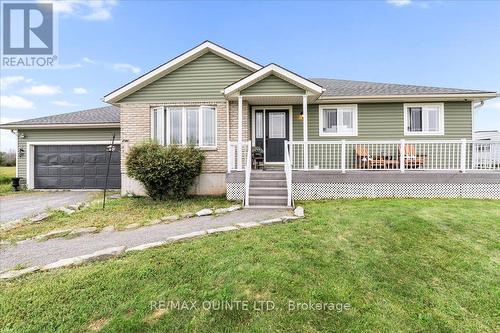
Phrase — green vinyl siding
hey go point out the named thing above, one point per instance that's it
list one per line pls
(59, 135)
(382, 121)
(272, 85)
(385, 121)
(199, 80)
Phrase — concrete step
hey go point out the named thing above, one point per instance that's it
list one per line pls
(268, 191)
(265, 175)
(267, 183)
(268, 201)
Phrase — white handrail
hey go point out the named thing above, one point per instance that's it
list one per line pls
(248, 169)
(404, 155)
(288, 174)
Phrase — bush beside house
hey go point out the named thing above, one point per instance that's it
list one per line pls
(166, 172)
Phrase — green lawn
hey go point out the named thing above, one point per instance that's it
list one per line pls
(118, 213)
(401, 265)
(6, 173)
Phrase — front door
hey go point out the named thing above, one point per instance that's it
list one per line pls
(276, 133)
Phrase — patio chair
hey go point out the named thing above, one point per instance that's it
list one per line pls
(412, 160)
(363, 158)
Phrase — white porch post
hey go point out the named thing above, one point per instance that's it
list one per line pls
(240, 130)
(306, 136)
(402, 155)
(463, 154)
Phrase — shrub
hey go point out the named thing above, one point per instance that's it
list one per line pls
(165, 172)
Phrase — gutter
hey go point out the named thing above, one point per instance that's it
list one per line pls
(58, 126)
(409, 98)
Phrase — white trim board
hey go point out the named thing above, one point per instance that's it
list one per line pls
(440, 107)
(274, 107)
(279, 72)
(176, 63)
(30, 155)
(164, 120)
(58, 126)
(354, 107)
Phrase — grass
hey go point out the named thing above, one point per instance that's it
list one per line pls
(118, 213)
(6, 173)
(402, 266)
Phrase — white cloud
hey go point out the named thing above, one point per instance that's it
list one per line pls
(15, 102)
(43, 90)
(126, 67)
(8, 81)
(93, 10)
(67, 66)
(63, 103)
(80, 91)
(399, 3)
(121, 67)
(492, 105)
(88, 60)
(8, 139)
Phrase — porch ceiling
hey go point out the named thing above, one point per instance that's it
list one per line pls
(276, 100)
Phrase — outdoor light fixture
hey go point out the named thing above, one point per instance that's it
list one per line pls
(21, 152)
(301, 115)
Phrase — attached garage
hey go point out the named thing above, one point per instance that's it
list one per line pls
(76, 166)
(69, 151)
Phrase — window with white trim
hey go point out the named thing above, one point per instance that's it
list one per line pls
(194, 126)
(338, 120)
(259, 129)
(424, 119)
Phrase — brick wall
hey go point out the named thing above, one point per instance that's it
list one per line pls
(136, 123)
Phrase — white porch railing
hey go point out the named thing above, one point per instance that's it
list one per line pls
(236, 161)
(432, 155)
(248, 169)
(288, 174)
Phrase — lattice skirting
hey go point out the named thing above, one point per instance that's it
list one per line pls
(314, 191)
(235, 191)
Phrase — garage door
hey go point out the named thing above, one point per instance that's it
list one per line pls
(75, 167)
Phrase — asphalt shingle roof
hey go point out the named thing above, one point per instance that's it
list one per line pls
(336, 87)
(103, 115)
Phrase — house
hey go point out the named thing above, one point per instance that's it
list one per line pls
(324, 138)
(485, 154)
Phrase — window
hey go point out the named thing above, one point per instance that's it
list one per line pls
(277, 126)
(184, 125)
(424, 119)
(338, 120)
(259, 130)
(192, 129)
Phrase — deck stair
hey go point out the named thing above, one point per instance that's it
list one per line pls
(268, 189)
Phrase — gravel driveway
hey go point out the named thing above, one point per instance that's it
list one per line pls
(18, 206)
(33, 252)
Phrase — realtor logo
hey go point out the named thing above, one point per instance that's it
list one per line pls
(28, 30)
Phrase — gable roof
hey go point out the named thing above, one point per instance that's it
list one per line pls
(108, 116)
(273, 69)
(349, 88)
(174, 64)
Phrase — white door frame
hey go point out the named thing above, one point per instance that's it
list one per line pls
(30, 155)
(264, 109)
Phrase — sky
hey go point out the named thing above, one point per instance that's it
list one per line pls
(105, 44)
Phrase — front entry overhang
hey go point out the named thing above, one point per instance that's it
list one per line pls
(273, 82)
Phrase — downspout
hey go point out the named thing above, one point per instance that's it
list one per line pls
(474, 108)
(227, 134)
(15, 132)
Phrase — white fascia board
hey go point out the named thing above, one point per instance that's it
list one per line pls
(407, 98)
(59, 126)
(176, 63)
(280, 72)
